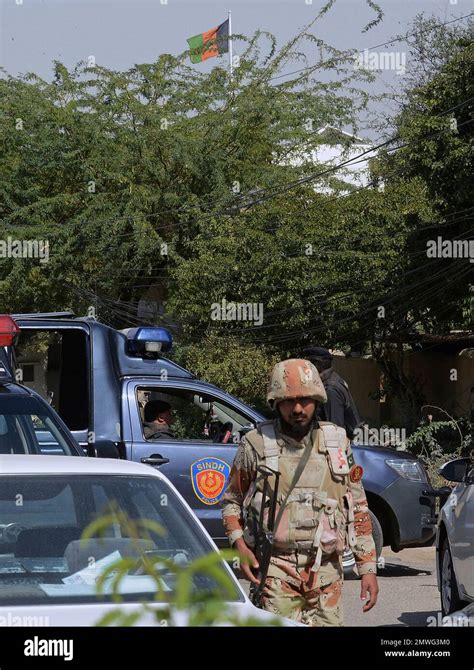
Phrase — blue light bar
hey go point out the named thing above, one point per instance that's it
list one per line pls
(149, 341)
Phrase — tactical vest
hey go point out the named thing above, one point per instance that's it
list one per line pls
(318, 516)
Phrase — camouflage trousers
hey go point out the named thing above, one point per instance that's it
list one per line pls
(293, 590)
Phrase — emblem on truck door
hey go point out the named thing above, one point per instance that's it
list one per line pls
(209, 478)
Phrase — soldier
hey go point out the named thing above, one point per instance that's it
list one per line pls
(321, 503)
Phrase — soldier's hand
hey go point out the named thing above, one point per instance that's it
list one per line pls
(370, 587)
(252, 563)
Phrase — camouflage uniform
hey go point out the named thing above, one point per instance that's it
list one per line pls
(326, 509)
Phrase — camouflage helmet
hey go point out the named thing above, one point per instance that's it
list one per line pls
(294, 378)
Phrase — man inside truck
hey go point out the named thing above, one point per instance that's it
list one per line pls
(158, 419)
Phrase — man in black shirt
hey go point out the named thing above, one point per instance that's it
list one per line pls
(158, 420)
(340, 407)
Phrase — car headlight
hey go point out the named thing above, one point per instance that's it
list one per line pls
(408, 469)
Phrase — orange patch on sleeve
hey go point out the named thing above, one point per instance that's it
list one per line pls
(232, 523)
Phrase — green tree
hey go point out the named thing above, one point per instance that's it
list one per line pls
(434, 132)
(118, 168)
(206, 188)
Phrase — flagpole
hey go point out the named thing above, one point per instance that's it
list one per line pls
(230, 44)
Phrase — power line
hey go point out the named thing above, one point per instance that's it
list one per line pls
(303, 332)
(327, 326)
(395, 293)
(352, 161)
(350, 52)
(286, 188)
(309, 178)
(382, 300)
(324, 327)
(386, 299)
(321, 248)
(240, 198)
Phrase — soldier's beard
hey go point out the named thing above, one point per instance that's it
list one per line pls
(296, 430)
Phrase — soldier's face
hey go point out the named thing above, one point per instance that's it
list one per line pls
(298, 413)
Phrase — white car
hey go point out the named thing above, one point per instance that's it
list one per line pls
(48, 575)
(455, 538)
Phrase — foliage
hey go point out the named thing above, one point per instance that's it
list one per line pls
(435, 132)
(438, 441)
(241, 369)
(203, 187)
(109, 166)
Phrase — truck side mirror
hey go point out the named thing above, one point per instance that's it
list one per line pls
(455, 471)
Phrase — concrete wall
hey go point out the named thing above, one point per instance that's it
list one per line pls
(363, 377)
(39, 361)
(447, 379)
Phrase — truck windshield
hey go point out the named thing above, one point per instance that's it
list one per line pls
(43, 558)
(28, 427)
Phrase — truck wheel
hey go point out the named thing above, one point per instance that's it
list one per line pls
(348, 560)
(450, 600)
(377, 534)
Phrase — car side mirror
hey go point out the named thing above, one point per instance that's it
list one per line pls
(455, 471)
(103, 449)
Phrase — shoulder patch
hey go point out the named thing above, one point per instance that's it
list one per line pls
(350, 460)
(356, 473)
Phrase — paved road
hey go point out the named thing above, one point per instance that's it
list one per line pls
(408, 592)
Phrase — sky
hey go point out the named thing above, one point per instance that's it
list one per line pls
(120, 33)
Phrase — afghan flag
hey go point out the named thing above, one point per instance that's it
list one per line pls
(212, 43)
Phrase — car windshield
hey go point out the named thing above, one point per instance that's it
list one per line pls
(28, 427)
(42, 556)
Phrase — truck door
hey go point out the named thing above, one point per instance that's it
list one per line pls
(197, 449)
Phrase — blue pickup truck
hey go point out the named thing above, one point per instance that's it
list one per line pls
(28, 425)
(98, 379)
